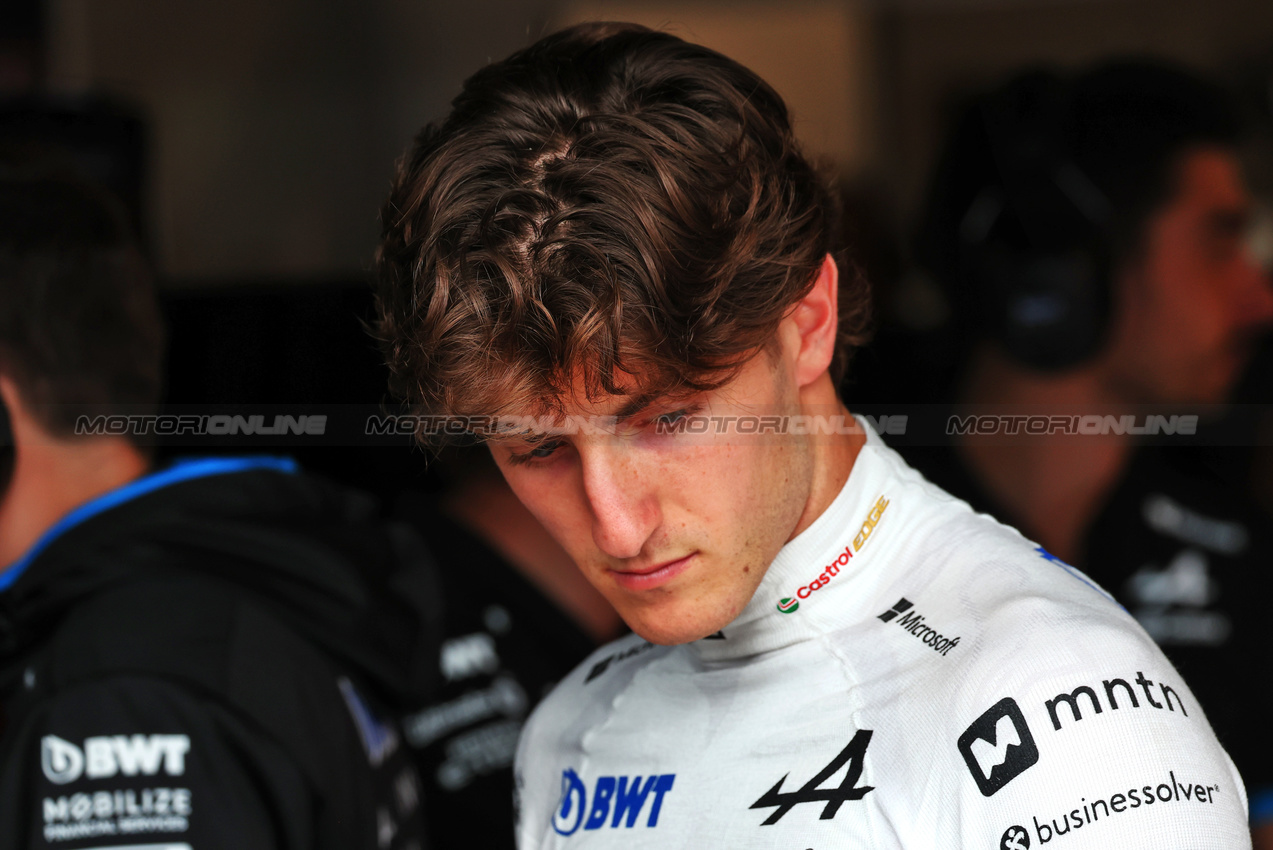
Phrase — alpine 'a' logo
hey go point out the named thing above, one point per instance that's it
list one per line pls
(854, 755)
(787, 605)
(998, 746)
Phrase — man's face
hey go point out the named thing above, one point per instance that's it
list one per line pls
(676, 530)
(1190, 307)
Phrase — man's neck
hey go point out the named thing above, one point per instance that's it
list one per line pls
(833, 456)
(1053, 485)
(53, 476)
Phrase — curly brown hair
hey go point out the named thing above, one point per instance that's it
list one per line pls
(610, 202)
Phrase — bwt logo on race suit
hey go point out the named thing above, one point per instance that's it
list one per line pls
(615, 800)
(110, 755)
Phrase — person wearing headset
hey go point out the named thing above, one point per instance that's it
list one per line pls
(1089, 233)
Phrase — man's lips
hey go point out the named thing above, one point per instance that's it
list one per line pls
(647, 578)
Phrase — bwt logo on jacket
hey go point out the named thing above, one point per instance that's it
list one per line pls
(623, 795)
(108, 755)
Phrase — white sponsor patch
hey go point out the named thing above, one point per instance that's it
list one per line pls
(121, 812)
(143, 847)
(105, 756)
(469, 655)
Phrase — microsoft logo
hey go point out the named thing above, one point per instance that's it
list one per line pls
(901, 605)
(913, 622)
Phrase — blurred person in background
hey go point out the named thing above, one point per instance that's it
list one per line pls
(1089, 232)
(209, 653)
(519, 617)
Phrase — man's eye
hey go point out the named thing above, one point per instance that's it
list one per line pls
(544, 450)
(671, 418)
(541, 451)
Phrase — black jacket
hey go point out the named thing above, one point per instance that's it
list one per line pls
(506, 646)
(207, 658)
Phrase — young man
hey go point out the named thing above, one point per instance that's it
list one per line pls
(612, 259)
(1143, 299)
(195, 656)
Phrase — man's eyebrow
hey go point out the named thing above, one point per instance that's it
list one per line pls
(635, 405)
(641, 402)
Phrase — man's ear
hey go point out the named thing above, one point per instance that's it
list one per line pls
(11, 407)
(815, 321)
(6, 426)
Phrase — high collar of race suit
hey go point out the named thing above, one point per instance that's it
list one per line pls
(810, 586)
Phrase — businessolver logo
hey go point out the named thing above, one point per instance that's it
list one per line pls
(998, 746)
(1015, 838)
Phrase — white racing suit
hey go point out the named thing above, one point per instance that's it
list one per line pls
(909, 674)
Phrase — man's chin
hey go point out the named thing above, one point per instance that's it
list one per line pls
(668, 638)
(665, 629)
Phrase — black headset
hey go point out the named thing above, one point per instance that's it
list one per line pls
(1033, 253)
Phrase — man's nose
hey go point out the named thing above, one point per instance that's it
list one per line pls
(625, 510)
(1255, 306)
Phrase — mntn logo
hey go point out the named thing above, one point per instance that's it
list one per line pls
(998, 746)
(627, 794)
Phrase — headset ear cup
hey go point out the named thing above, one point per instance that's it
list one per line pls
(1032, 241)
(1046, 311)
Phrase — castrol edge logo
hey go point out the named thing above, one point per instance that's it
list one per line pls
(790, 604)
(868, 527)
